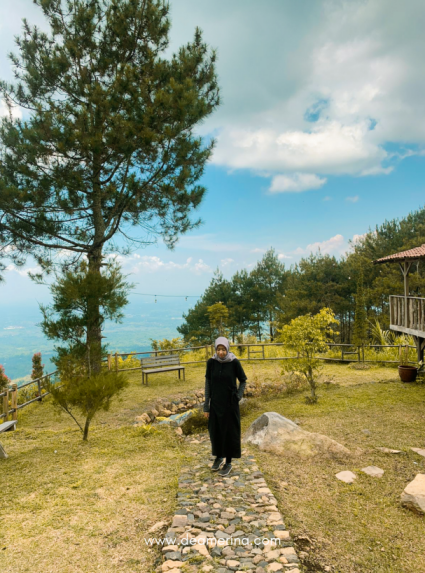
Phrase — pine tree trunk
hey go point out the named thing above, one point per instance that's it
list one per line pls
(86, 428)
(94, 326)
(94, 322)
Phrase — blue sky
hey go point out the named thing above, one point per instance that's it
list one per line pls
(320, 135)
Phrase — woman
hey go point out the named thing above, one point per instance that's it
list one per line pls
(221, 405)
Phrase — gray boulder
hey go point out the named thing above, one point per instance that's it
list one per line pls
(275, 433)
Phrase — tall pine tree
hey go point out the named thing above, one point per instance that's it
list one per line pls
(107, 152)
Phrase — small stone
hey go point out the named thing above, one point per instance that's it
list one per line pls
(346, 476)
(167, 565)
(274, 567)
(179, 521)
(367, 432)
(389, 451)
(413, 496)
(281, 534)
(373, 471)
(157, 526)
(419, 451)
(264, 490)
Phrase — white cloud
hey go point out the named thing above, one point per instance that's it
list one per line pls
(348, 80)
(152, 264)
(282, 256)
(16, 111)
(327, 198)
(330, 147)
(201, 267)
(334, 245)
(352, 199)
(358, 238)
(297, 183)
(257, 250)
(23, 271)
(226, 262)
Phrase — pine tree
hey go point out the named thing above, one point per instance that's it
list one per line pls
(108, 150)
(360, 317)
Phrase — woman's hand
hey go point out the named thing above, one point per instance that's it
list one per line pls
(206, 414)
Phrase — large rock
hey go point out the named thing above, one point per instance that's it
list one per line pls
(274, 433)
(413, 496)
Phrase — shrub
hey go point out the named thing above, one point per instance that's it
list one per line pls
(4, 380)
(37, 367)
(276, 384)
(195, 424)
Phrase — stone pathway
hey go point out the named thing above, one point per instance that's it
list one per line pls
(226, 524)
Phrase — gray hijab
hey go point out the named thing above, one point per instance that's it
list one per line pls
(224, 342)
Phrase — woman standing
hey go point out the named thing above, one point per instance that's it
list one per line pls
(221, 405)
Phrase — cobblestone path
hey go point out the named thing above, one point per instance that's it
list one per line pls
(226, 524)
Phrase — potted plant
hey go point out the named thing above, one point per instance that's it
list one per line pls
(406, 372)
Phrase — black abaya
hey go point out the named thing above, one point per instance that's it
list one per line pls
(224, 422)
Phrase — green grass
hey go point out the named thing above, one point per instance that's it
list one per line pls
(75, 507)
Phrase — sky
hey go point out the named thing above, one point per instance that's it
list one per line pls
(320, 135)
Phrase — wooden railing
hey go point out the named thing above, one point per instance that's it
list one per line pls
(11, 394)
(407, 314)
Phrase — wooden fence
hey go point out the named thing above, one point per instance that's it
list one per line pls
(112, 359)
(9, 396)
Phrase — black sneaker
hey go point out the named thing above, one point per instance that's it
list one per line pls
(217, 464)
(225, 470)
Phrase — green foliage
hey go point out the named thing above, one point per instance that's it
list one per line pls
(130, 361)
(272, 296)
(70, 320)
(360, 317)
(218, 314)
(84, 393)
(165, 344)
(307, 335)
(195, 424)
(251, 300)
(37, 366)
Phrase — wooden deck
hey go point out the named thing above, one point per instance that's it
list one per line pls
(407, 314)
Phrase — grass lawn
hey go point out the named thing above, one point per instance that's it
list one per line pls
(72, 507)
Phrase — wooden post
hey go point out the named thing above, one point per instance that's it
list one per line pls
(116, 361)
(363, 351)
(109, 361)
(39, 390)
(6, 404)
(15, 401)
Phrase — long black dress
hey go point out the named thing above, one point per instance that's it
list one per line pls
(222, 402)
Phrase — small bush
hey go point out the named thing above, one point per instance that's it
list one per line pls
(276, 384)
(195, 424)
(145, 431)
(130, 362)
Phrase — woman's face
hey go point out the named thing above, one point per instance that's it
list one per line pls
(221, 351)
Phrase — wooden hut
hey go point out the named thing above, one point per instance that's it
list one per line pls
(407, 313)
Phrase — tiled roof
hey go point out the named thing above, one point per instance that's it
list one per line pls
(411, 254)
